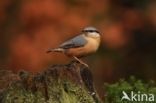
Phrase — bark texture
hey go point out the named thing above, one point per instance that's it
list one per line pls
(70, 83)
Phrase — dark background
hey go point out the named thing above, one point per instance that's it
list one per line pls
(128, 27)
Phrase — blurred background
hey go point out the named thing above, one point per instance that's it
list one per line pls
(128, 27)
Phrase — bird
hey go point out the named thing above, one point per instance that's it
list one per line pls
(87, 42)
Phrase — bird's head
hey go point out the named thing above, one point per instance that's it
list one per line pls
(91, 32)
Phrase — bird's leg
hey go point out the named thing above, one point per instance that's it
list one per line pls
(80, 61)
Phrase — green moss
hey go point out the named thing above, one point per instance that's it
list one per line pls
(58, 92)
(57, 84)
(114, 91)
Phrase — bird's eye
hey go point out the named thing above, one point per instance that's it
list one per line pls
(91, 31)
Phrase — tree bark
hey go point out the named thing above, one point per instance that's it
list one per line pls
(70, 83)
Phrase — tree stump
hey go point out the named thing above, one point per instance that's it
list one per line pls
(70, 83)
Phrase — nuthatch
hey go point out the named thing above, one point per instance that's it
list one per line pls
(85, 43)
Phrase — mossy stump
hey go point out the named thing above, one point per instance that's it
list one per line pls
(70, 83)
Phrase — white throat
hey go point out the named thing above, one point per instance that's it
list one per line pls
(93, 34)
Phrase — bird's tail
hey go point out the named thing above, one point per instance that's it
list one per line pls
(55, 50)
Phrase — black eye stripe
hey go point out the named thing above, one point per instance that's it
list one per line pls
(90, 31)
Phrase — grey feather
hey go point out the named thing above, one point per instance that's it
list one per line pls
(78, 41)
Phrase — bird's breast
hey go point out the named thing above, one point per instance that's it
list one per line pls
(90, 47)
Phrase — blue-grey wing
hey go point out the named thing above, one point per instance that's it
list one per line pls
(78, 41)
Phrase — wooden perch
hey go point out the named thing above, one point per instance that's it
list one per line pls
(70, 83)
